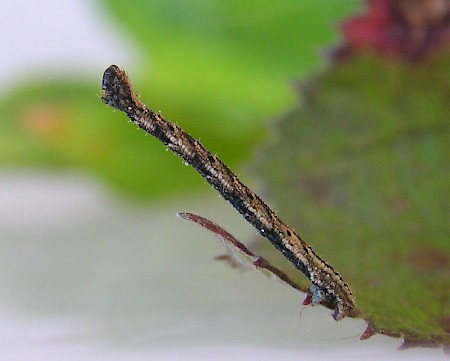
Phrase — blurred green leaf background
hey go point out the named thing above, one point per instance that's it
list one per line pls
(220, 69)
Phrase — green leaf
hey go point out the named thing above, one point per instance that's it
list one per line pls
(361, 167)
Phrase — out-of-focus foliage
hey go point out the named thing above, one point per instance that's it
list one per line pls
(218, 68)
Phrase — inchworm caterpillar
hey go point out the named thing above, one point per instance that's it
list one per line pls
(327, 286)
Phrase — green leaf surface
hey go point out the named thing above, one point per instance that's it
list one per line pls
(361, 167)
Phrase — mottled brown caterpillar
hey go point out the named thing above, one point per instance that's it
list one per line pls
(327, 286)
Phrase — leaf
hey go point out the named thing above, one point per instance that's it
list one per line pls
(361, 167)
